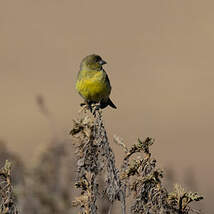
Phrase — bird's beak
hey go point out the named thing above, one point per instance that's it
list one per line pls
(102, 62)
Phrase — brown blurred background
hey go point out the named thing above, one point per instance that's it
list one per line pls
(160, 63)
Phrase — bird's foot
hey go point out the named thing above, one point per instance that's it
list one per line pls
(95, 107)
(84, 107)
(92, 107)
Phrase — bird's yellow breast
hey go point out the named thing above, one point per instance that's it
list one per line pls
(93, 86)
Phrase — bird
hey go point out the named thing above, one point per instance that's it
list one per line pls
(93, 83)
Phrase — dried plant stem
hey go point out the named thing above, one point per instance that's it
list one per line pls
(140, 175)
(7, 203)
(114, 186)
(95, 155)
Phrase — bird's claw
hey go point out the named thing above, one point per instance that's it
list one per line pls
(93, 107)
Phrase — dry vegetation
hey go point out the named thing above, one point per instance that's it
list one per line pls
(138, 180)
(49, 185)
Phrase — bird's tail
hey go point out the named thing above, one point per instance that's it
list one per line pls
(109, 102)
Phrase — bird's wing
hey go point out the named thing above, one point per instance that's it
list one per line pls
(107, 79)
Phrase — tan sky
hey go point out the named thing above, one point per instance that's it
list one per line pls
(160, 63)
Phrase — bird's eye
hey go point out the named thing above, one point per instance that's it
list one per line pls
(98, 59)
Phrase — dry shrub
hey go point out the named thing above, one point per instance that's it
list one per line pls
(7, 197)
(138, 179)
(48, 185)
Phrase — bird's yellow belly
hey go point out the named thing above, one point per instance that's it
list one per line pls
(93, 89)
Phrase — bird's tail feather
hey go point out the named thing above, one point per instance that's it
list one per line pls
(109, 102)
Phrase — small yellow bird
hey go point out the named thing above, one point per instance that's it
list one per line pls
(93, 83)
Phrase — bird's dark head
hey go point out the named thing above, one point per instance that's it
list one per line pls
(92, 62)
